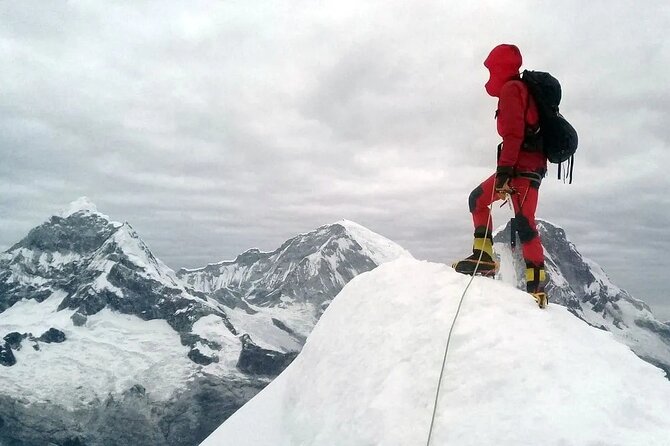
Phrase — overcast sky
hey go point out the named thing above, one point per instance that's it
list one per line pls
(213, 127)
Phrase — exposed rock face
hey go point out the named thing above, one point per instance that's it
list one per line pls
(131, 418)
(53, 335)
(50, 255)
(260, 361)
(14, 339)
(196, 356)
(583, 287)
(78, 319)
(7, 358)
(199, 409)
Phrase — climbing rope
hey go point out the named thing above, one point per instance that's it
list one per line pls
(451, 329)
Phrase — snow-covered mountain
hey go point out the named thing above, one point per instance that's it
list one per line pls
(87, 263)
(582, 286)
(97, 331)
(515, 375)
(290, 287)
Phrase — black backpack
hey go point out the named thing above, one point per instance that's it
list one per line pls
(558, 138)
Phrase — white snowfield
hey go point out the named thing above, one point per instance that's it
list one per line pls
(516, 375)
(108, 355)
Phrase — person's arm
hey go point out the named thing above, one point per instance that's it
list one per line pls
(512, 128)
(511, 122)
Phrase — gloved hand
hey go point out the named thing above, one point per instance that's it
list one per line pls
(503, 177)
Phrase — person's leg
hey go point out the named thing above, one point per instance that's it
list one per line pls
(479, 202)
(525, 205)
(481, 258)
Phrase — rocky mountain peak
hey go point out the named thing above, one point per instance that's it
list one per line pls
(310, 267)
(251, 256)
(573, 277)
(581, 285)
(96, 263)
(80, 233)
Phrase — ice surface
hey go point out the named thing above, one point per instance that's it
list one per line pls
(110, 354)
(515, 375)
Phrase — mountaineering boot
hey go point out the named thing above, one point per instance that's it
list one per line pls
(536, 278)
(484, 265)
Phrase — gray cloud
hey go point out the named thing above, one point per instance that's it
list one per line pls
(214, 127)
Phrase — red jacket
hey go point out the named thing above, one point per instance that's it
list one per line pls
(516, 109)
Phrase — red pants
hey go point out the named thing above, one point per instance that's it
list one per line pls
(524, 202)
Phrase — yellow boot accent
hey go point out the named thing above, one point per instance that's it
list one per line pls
(530, 275)
(483, 244)
(536, 279)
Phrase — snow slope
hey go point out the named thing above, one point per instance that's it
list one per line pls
(109, 355)
(515, 375)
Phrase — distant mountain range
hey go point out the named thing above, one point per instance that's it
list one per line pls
(97, 331)
(289, 288)
(179, 353)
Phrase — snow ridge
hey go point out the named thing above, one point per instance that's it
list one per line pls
(377, 247)
(373, 360)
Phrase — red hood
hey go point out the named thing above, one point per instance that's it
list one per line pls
(503, 64)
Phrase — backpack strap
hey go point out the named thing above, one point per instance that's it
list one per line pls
(572, 165)
(567, 174)
(532, 142)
